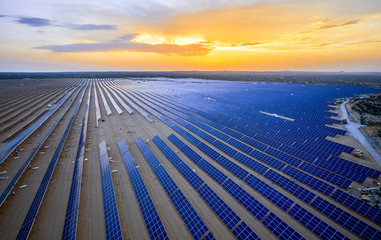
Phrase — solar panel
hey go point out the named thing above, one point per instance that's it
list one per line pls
(224, 212)
(357, 205)
(314, 224)
(242, 231)
(152, 220)
(111, 215)
(30, 217)
(229, 218)
(348, 221)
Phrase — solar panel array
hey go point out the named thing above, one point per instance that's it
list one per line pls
(325, 188)
(35, 206)
(222, 210)
(358, 206)
(151, 218)
(14, 180)
(351, 170)
(31, 126)
(190, 217)
(112, 223)
(277, 151)
(338, 180)
(71, 218)
(282, 230)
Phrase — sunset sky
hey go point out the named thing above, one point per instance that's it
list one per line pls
(139, 35)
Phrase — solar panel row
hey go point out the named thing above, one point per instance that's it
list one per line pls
(151, 218)
(116, 107)
(223, 211)
(297, 174)
(136, 106)
(31, 127)
(113, 230)
(358, 206)
(239, 126)
(190, 217)
(249, 202)
(124, 105)
(71, 219)
(338, 180)
(314, 224)
(348, 221)
(30, 217)
(14, 180)
(164, 119)
(105, 104)
(290, 186)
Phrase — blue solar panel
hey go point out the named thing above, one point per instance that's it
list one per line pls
(194, 223)
(112, 223)
(314, 224)
(229, 218)
(151, 159)
(165, 180)
(357, 205)
(280, 228)
(313, 182)
(208, 236)
(188, 173)
(191, 219)
(126, 156)
(348, 221)
(30, 217)
(224, 212)
(232, 167)
(212, 171)
(249, 202)
(242, 231)
(273, 195)
(151, 218)
(138, 185)
(309, 180)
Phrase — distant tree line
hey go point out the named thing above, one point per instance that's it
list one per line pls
(369, 79)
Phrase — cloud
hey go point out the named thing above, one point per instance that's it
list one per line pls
(86, 27)
(43, 22)
(125, 43)
(246, 44)
(34, 22)
(363, 42)
(327, 26)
